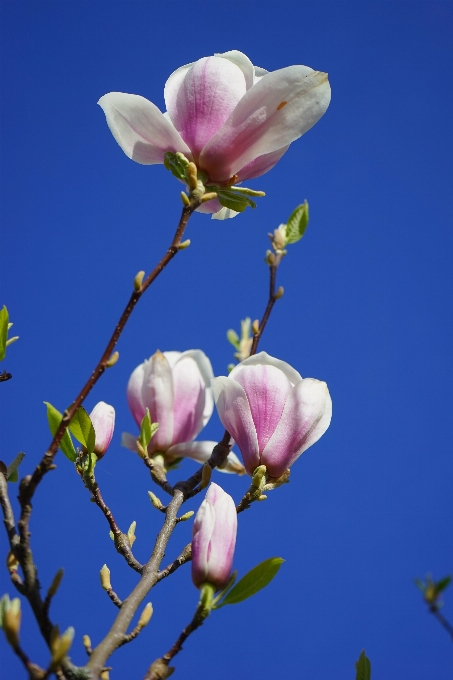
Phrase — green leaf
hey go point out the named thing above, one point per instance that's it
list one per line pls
(228, 199)
(147, 430)
(233, 338)
(256, 579)
(176, 163)
(363, 667)
(3, 331)
(297, 223)
(12, 474)
(54, 418)
(82, 429)
(442, 584)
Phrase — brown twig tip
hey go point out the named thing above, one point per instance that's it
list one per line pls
(5, 376)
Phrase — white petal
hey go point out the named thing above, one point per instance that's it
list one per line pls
(201, 452)
(205, 368)
(224, 214)
(129, 441)
(281, 107)
(244, 63)
(158, 396)
(265, 359)
(141, 130)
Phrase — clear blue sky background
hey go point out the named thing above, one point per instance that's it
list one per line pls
(367, 307)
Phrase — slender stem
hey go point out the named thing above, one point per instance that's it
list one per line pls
(442, 620)
(34, 671)
(185, 556)
(32, 482)
(271, 302)
(158, 475)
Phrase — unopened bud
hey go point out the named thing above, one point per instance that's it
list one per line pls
(105, 675)
(259, 475)
(12, 563)
(55, 583)
(279, 293)
(192, 179)
(113, 359)
(103, 420)
(155, 501)
(255, 326)
(61, 646)
(184, 244)
(146, 615)
(185, 199)
(270, 258)
(131, 533)
(86, 641)
(138, 280)
(186, 516)
(105, 578)
(261, 498)
(209, 197)
(206, 473)
(11, 340)
(11, 621)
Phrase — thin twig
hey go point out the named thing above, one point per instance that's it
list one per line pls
(158, 475)
(114, 597)
(29, 488)
(442, 620)
(34, 671)
(185, 556)
(271, 302)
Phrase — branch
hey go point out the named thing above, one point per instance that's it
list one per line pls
(442, 620)
(185, 556)
(44, 466)
(273, 297)
(158, 474)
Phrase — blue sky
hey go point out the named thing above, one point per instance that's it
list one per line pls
(367, 307)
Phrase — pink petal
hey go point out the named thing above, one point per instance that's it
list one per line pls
(235, 415)
(203, 527)
(261, 165)
(158, 396)
(265, 359)
(200, 103)
(223, 538)
(134, 393)
(140, 128)
(267, 389)
(273, 113)
(305, 418)
(201, 452)
(189, 401)
(103, 420)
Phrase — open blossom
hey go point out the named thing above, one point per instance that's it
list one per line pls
(233, 119)
(176, 388)
(103, 420)
(214, 538)
(271, 412)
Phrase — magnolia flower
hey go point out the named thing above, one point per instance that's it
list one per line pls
(175, 387)
(214, 538)
(103, 419)
(271, 412)
(233, 119)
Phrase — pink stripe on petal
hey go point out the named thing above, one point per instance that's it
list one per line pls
(206, 96)
(235, 415)
(189, 400)
(259, 166)
(305, 418)
(203, 527)
(267, 390)
(158, 396)
(281, 107)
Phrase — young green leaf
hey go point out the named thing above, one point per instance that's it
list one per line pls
(82, 429)
(442, 584)
(12, 474)
(147, 430)
(228, 199)
(363, 667)
(54, 419)
(3, 331)
(256, 579)
(297, 223)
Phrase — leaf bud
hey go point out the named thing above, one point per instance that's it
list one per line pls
(11, 617)
(255, 326)
(105, 578)
(259, 477)
(155, 501)
(61, 645)
(12, 563)
(105, 675)
(206, 473)
(138, 280)
(186, 516)
(86, 641)
(185, 199)
(55, 583)
(191, 173)
(209, 197)
(270, 258)
(184, 244)
(233, 338)
(113, 359)
(145, 616)
(279, 293)
(131, 533)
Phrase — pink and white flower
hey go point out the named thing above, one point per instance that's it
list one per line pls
(103, 420)
(214, 538)
(233, 119)
(272, 413)
(176, 388)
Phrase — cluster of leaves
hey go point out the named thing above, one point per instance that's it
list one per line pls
(5, 325)
(432, 590)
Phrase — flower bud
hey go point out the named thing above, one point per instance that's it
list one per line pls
(139, 280)
(60, 645)
(145, 616)
(214, 539)
(10, 619)
(103, 419)
(105, 578)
